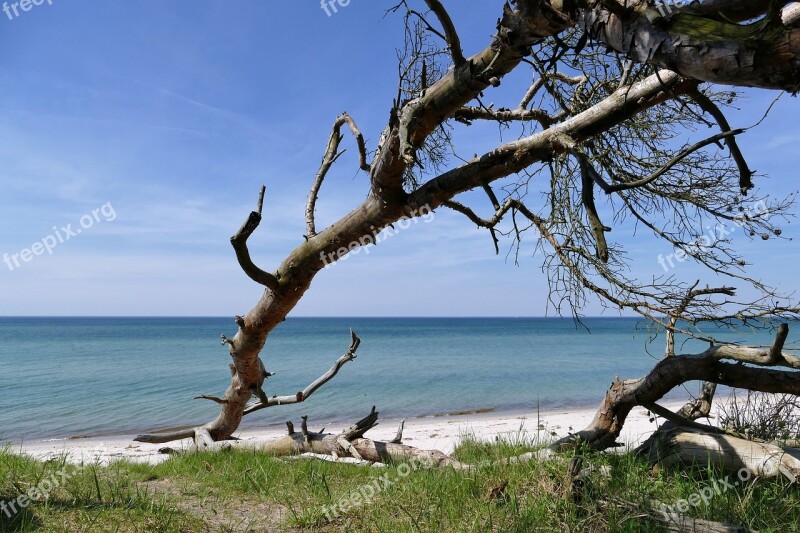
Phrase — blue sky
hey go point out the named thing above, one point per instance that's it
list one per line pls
(173, 114)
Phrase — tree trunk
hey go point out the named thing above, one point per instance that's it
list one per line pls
(731, 454)
(670, 372)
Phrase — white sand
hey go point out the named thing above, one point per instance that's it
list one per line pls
(441, 433)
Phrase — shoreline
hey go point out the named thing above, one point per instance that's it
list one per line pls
(269, 427)
(431, 432)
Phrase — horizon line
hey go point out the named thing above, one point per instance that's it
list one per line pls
(328, 316)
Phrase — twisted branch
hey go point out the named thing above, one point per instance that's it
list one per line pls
(331, 155)
(239, 242)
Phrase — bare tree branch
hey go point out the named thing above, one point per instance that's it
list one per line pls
(609, 188)
(587, 197)
(517, 155)
(211, 398)
(239, 242)
(301, 396)
(530, 93)
(682, 421)
(742, 55)
(331, 155)
(691, 294)
(453, 40)
(466, 114)
(745, 174)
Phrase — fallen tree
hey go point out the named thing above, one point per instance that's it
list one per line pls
(348, 443)
(725, 452)
(614, 83)
(720, 364)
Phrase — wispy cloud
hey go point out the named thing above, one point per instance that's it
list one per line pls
(780, 141)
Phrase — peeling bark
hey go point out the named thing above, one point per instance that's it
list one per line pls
(759, 55)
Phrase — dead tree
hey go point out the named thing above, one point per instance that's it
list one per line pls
(721, 364)
(612, 84)
(348, 443)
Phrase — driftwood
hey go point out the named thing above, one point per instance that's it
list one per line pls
(674, 445)
(686, 524)
(699, 407)
(731, 454)
(349, 443)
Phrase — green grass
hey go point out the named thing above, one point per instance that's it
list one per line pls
(238, 491)
(91, 499)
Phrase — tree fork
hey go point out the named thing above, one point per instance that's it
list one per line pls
(670, 372)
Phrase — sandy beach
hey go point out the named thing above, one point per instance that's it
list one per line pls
(440, 432)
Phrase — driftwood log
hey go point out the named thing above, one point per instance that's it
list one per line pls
(348, 443)
(731, 454)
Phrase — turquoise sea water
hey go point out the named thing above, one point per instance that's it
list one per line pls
(72, 377)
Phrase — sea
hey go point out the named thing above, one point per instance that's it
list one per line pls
(70, 378)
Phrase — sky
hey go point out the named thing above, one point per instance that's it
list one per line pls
(150, 126)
